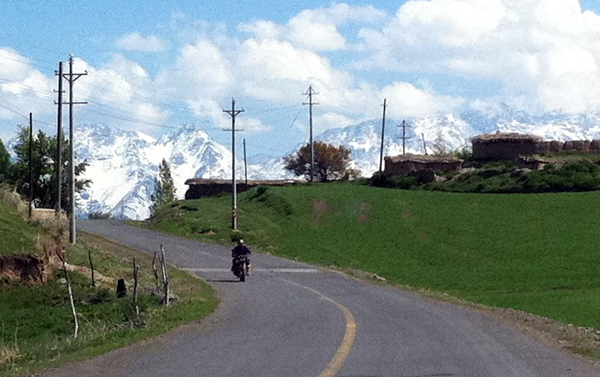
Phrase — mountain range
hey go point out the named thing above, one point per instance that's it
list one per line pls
(123, 164)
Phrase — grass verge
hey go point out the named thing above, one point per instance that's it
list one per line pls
(36, 325)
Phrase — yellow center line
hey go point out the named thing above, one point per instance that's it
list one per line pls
(346, 345)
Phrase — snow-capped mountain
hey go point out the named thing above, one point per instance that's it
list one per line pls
(124, 164)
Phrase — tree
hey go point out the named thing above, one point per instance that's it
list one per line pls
(164, 187)
(44, 170)
(439, 144)
(5, 163)
(331, 162)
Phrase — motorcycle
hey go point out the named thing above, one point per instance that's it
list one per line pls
(241, 267)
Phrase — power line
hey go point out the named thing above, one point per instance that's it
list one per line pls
(12, 111)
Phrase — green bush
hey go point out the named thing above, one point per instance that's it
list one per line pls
(378, 179)
(404, 182)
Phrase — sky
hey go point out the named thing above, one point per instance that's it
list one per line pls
(156, 66)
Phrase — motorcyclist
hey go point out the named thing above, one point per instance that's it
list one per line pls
(241, 250)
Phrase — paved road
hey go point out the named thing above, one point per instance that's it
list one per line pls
(292, 320)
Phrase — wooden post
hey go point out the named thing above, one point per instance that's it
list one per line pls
(92, 268)
(155, 270)
(135, 287)
(165, 275)
(76, 330)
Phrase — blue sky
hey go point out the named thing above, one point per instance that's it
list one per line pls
(154, 66)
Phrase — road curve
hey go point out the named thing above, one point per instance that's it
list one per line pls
(293, 320)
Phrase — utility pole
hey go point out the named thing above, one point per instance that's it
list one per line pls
(30, 163)
(233, 112)
(404, 138)
(310, 104)
(424, 145)
(59, 141)
(382, 135)
(71, 78)
(245, 163)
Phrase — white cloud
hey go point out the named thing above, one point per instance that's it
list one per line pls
(328, 120)
(278, 71)
(150, 113)
(548, 51)
(315, 29)
(343, 13)
(307, 33)
(201, 76)
(137, 42)
(120, 92)
(405, 99)
(23, 90)
(250, 124)
(263, 29)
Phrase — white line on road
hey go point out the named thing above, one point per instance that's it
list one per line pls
(285, 270)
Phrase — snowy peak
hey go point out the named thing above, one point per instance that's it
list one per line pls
(123, 165)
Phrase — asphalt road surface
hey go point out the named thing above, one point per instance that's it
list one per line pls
(293, 320)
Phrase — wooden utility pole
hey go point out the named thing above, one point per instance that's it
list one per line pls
(30, 165)
(233, 112)
(382, 136)
(59, 141)
(424, 145)
(404, 138)
(71, 78)
(310, 104)
(245, 163)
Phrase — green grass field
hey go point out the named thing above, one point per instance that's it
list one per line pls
(535, 252)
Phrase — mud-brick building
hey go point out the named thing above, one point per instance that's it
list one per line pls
(409, 163)
(504, 146)
(199, 187)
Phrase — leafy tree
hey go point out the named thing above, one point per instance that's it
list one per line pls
(439, 144)
(164, 187)
(44, 170)
(331, 162)
(5, 163)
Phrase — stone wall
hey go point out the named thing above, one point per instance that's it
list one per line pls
(199, 188)
(405, 164)
(512, 146)
(583, 146)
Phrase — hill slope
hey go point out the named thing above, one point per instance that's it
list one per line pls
(532, 252)
(16, 236)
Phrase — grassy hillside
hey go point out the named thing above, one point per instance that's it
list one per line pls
(16, 235)
(535, 252)
(36, 324)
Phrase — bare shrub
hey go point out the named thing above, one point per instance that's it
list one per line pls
(8, 354)
(13, 199)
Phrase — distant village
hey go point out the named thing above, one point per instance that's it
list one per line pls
(492, 147)
(524, 149)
